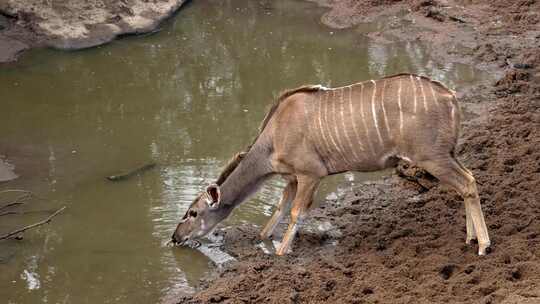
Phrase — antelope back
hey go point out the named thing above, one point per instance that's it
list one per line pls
(357, 127)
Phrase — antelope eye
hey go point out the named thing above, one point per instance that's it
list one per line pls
(192, 213)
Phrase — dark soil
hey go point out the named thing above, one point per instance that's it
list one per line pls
(397, 242)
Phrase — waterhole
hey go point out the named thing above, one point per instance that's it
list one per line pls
(186, 98)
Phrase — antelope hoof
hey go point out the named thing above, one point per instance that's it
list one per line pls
(282, 250)
(471, 240)
(484, 249)
(264, 235)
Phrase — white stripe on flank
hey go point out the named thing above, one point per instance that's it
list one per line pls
(384, 110)
(313, 125)
(400, 109)
(325, 141)
(308, 123)
(375, 122)
(353, 119)
(364, 119)
(426, 108)
(351, 147)
(328, 125)
(414, 93)
(338, 137)
(452, 113)
(433, 94)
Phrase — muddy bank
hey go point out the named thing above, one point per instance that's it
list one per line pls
(394, 242)
(75, 24)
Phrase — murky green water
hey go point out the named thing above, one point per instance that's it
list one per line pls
(186, 98)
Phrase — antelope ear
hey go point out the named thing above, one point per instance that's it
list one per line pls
(214, 195)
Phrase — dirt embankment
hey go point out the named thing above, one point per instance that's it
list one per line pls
(75, 24)
(393, 242)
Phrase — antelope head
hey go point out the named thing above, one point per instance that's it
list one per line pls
(203, 215)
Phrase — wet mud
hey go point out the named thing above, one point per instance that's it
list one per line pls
(398, 241)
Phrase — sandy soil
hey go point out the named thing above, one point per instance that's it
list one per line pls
(75, 24)
(395, 242)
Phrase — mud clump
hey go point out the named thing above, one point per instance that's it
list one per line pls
(401, 242)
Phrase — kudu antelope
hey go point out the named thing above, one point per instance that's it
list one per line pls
(312, 132)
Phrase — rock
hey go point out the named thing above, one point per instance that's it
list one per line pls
(95, 26)
(78, 24)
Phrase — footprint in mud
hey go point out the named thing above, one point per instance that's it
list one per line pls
(447, 271)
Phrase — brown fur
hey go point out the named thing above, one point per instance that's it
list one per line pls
(229, 168)
(237, 158)
(435, 82)
(282, 97)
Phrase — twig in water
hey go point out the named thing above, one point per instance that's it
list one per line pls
(19, 200)
(9, 213)
(15, 190)
(131, 173)
(45, 221)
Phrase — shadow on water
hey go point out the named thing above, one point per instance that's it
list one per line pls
(186, 98)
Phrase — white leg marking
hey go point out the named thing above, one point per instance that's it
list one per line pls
(471, 233)
(414, 93)
(384, 110)
(400, 109)
(375, 122)
(423, 94)
(353, 119)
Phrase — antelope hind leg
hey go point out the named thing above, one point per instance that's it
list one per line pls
(471, 233)
(450, 172)
(471, 195)
(288, 194)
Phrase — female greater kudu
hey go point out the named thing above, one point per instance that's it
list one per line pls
(312, 132)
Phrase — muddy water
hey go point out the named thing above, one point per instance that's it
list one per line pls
(186, 98)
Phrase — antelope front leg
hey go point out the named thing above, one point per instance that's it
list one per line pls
(288, 195)
(301, 203)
